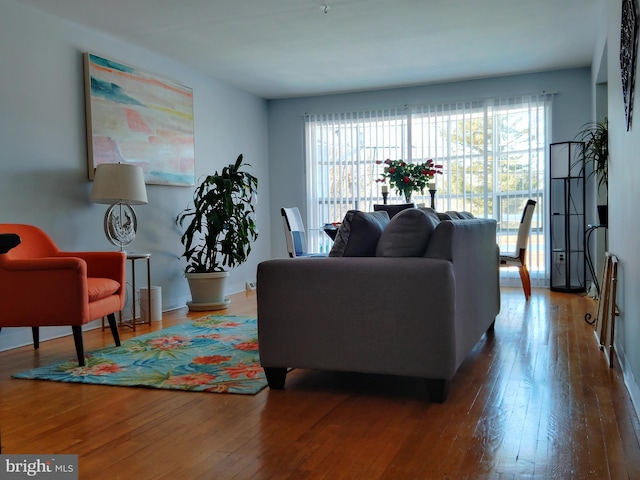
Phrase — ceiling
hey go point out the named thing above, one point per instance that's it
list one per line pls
(289, 48)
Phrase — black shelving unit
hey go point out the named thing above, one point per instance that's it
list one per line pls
(567, 225)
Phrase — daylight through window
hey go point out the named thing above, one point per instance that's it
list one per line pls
(494, 154)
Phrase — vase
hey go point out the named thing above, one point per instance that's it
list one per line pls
(407, 198)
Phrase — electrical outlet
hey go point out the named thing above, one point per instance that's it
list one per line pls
(251, 286)
(559, 258)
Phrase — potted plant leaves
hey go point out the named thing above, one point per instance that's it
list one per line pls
(220, 229)
(595, 160)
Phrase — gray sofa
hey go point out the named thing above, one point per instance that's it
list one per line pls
(415, 313)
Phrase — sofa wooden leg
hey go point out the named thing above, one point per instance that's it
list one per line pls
(35, 333)
(276, 377)
(438, 389)
(77, 338)
(113, 325)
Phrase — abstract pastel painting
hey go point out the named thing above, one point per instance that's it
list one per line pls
(139, 118)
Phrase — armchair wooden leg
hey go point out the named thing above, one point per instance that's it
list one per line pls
(35, 333)
(113, 325)
(77, 338)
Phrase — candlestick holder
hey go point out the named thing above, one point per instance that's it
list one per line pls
(385, 195)
(432, 192)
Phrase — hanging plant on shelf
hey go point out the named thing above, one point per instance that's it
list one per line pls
(595, 136)
(595, 158)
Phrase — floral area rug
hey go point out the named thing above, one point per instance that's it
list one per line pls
(216, 353)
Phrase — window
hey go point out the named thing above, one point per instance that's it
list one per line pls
(494, 154)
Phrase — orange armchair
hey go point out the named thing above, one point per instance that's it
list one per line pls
(41, 286)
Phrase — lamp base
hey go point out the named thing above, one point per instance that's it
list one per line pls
(120, 224)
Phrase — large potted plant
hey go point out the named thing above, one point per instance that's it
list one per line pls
(219, 231)
(595, 160)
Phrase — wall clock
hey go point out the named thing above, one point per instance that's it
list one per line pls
(628, 52)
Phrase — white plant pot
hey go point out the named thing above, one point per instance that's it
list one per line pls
(207, 291)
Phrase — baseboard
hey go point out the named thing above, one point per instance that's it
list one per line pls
(17, 337)
(630, 380)
(634, 391)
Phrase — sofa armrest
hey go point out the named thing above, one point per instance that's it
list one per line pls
(103, 264)
(472, 247)
(362, 314)
(28, 284)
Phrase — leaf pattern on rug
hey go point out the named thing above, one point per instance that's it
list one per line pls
(215, 353)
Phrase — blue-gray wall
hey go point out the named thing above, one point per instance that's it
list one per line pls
(43, 154)
(624, 198)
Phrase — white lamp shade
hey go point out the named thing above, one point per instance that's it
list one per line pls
(119, 182)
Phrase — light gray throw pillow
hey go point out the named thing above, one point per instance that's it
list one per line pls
(407, 234)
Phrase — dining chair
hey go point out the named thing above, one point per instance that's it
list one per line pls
(294, 234)
(42, 286)
(517, 258)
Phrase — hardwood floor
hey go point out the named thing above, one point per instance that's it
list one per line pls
(535, 400)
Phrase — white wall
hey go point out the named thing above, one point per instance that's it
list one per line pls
(571, 109)
(43, 154)
(624, 198)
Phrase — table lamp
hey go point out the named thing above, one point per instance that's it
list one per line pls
(119, 185)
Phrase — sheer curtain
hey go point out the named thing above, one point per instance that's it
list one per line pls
(494, 153)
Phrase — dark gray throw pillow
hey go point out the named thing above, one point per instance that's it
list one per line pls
(393, 208)
(358, 234)
(407, 234)
(453, 215)
(445, 216)
(432, 213)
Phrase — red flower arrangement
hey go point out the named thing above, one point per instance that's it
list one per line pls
(407, 178)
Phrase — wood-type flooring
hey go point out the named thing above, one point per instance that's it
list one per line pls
(536, 400)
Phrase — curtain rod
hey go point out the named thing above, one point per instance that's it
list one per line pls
(411, 105)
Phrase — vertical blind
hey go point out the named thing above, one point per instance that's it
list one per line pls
(494, 153)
